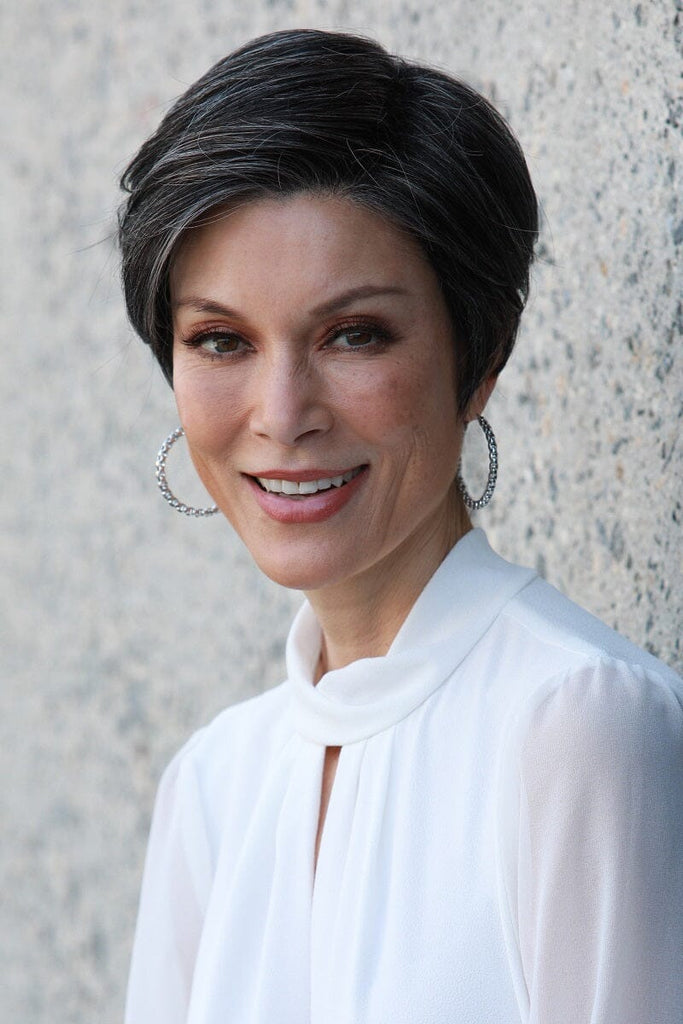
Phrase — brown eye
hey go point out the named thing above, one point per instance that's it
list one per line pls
(220, 344)
(357, 337)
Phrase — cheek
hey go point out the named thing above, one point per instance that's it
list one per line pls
(417, 434)
(209, 409)
(431, 418)
(419, 402)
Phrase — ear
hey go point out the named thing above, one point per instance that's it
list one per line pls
(477, 402)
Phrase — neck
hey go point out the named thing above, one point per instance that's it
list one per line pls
(361, 616)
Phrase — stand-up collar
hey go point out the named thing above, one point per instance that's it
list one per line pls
(455, 609)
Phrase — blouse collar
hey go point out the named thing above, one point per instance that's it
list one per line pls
(452, 613)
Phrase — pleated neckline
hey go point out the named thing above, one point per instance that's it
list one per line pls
(458, 605)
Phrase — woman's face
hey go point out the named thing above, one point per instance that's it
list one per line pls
(314, 376)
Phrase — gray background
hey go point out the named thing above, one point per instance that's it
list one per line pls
(124, 625)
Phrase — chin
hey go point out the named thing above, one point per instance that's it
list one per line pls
(300, 573)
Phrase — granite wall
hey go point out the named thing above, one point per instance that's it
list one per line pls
(124, 625)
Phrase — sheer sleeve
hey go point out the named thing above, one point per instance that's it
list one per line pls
(592, 850)
(174, 894)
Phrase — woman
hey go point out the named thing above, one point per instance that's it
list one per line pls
(466, 801)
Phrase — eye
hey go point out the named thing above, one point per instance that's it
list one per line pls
(357, 337)
(217, 343)
(220, 343)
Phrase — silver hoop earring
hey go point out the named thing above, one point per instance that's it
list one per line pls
(179, 506)
(476, 503)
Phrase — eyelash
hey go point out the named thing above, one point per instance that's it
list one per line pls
(382, 335)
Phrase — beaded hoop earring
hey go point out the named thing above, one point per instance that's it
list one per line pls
(477, 503)
(179, 506)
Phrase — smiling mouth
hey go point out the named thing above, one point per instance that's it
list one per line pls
(306, 488)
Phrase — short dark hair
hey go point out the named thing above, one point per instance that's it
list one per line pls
(312, 111)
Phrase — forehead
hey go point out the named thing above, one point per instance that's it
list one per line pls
(309, 243)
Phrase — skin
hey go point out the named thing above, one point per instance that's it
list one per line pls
(278, 367)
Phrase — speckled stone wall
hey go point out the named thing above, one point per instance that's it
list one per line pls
(125, 626)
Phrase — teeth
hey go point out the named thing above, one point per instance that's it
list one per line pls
(306, 486)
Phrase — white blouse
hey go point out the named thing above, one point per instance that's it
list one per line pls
(503, 842)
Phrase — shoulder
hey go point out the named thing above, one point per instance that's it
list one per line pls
(603, 724)
(591, 772)
(551, 621)
(581, 695)
(545, 645)
(232, 751)
(253, 724)
(594, 684)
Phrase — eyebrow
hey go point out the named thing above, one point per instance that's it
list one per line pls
(210, 306)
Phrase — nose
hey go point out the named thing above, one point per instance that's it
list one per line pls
(289, 400)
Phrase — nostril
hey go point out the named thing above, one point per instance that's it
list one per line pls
(287, 425)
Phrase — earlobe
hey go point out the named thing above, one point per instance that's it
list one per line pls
(479, 399)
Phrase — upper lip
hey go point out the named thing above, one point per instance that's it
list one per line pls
(303, 475)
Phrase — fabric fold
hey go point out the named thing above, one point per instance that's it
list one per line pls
(456, 608)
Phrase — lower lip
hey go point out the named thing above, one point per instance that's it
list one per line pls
(313, 508)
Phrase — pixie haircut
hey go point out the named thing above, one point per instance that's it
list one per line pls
(327, 113)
